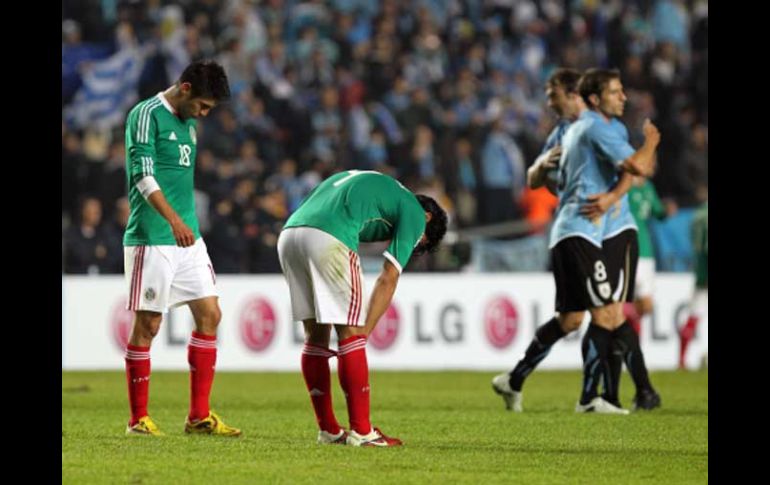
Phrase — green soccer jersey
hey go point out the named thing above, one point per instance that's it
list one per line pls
(700, 241)
(159, 144)
(365, 206)
(645, 204)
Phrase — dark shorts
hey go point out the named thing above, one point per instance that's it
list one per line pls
(588, 277)
(622, 256)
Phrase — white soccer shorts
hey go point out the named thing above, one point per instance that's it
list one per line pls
(163, 277)
(699, 304)
(324, 276)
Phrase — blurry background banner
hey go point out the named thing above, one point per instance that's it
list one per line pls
(448, 327)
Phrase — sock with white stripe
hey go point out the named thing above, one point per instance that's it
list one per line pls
(315, 370)
(138, 379)
(353, 372)
(202, 357)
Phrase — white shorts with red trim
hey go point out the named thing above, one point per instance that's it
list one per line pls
(163, 277)
(324, 276)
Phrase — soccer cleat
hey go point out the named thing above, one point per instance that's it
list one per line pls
(501, 385)
(211, 424)
(599, 406)
(374, 438)
(145, 426)
(647, 399)
(614, 402)
(326, 438)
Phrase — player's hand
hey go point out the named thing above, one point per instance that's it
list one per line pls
(651, 131)
(597, 205)
(183, 234)
(550, 159)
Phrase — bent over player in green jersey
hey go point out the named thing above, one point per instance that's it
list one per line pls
(318, 253)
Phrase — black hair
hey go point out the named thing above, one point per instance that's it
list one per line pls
(208, 80)
(435, 227)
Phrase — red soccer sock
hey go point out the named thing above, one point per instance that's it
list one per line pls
(315, 370)
(353, 371)
(138, 379)
(686, 334)
(202, 357)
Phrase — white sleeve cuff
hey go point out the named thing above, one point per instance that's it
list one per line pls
(393, 260)
(147, 186)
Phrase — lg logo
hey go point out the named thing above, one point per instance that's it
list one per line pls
(257, 324)
(501, 322)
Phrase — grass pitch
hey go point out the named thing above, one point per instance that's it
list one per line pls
(455, 430)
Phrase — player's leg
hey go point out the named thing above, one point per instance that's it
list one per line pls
(146, 326)
(345, 306)
(644, 288)
(509, 384)
(596, 349)
(622, 253)
(194, 284)
(317, 375)
(147, 279)
(313, 286)
(698, 308)
(568, 273)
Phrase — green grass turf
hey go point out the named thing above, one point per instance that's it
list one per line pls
(455, 430)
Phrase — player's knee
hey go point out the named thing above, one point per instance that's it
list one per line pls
(570, 322)
(147, 331)
(210, 319)
(147, 325)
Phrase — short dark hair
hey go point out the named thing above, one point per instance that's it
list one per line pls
(565, 77)
(208, 80)
(594, 81)
(435, 227)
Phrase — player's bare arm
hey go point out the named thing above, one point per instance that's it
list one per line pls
(642, 162)
(537, 173)
(598, 204)
(382, 294)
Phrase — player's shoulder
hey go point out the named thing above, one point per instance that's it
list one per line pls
(145, 107)
(577, 129)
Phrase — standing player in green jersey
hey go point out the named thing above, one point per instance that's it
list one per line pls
(699, 305)
(318, 253)
(645, 204)
(166, 262)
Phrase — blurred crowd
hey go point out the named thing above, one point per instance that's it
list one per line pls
(445, 95)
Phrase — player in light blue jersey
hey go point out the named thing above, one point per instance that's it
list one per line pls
(596, 272)
(564, 99)
(621, 245)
